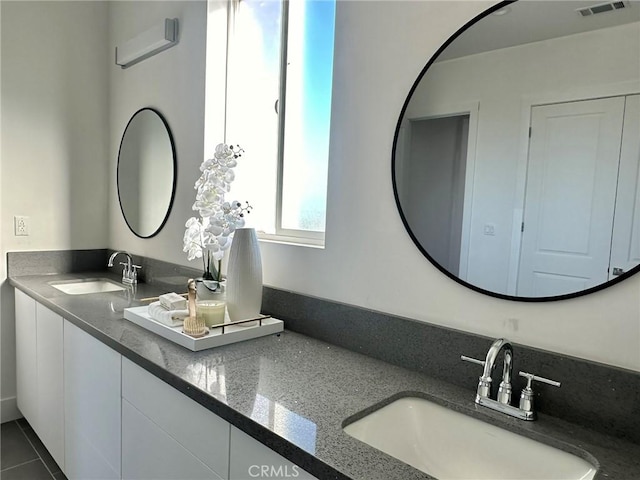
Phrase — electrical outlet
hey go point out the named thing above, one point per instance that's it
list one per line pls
(489, 229)
(21, 226)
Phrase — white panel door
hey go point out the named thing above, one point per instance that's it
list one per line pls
(26, 364)
(570, 196)
(92, 407)
(50, 382)
(625, 247)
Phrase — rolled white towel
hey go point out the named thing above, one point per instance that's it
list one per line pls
(170, 318)
(173, 301)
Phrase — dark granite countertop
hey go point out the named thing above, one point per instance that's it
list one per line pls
(312, 385)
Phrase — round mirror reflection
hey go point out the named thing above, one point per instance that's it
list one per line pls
(146, 173)
(516, 155)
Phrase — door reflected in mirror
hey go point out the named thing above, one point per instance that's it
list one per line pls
(146, 173)
(516, 156)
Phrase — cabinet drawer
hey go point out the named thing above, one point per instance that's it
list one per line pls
(252, 459)
(148, 452)
(84, 460)
(198, 430)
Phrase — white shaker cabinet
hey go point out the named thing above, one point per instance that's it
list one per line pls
(92, 414)
(39, 358)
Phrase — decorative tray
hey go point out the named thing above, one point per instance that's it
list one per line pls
(223, 334)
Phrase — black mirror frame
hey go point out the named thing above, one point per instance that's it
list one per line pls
(464, 283)
(175, 172)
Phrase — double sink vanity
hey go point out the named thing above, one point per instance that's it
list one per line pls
(113, 400)
(348, 393)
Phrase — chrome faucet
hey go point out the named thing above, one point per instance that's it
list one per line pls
(503, 400)
(129, 272)
(484, 384)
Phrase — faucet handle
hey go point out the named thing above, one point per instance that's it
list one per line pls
(526, 397)
(125, 265)
(134, 272)
(484, 384)
(530, 377)
(472, 360)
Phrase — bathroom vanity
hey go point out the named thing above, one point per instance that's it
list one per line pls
(111, 399)
(103, 416)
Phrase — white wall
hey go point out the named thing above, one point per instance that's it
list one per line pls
(173, 83)
(54, 149)
(588, 65)
(53, 142)
(436, 187)
(369, 260)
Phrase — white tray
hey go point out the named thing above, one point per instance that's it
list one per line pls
(215, 338)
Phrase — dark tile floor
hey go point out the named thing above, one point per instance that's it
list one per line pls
(23, 456)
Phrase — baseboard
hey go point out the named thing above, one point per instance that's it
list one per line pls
(9, 410)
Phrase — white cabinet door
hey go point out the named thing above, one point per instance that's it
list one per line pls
(251, 459)
(148, 452)
(196, 429)
(92, 377)
(26, 365)
(50, 399)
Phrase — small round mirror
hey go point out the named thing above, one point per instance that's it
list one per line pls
(146, 173)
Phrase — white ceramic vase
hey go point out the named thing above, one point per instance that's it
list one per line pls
(244, 276)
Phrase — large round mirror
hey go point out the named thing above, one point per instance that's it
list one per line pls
(146, 172)
(516, 155)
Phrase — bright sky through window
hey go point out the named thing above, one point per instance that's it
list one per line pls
(253, 86)
(308, 114)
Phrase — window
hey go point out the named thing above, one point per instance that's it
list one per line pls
(278, 108)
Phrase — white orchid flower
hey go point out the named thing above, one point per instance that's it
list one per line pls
(193, 239)
(207, 237)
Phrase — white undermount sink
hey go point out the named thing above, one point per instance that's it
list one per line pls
(450, 445)
(89, 285)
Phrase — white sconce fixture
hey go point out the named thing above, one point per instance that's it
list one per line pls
(148, 43)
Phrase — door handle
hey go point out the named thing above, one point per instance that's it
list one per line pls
(617, 271)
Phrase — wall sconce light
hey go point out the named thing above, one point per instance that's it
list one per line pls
(148, 43)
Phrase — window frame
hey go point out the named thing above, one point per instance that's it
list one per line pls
(312, 238)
